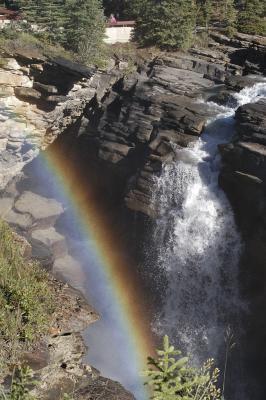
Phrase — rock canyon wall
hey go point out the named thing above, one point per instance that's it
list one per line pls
(123, 129)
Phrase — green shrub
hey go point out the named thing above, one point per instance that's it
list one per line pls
(172, 378)
(13, 40)
(26, 298)
(21, 381)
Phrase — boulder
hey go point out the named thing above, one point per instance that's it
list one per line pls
(45, 89)
(253, 114)
(44, 211)
(20, 221)
(237, 83)
(224, 98)
(23, 222)
(12, 64)
(51, 239)
(76, 69)
(43, 254)
(6, 204)
(27, 94)
(67, 269)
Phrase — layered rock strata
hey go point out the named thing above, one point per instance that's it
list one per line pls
(128, 124)
(39, 98)
(128, 127)
(243, 177)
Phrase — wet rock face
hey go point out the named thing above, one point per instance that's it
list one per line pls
(246, 156)
(140, 122)
(126, 124)
(224, 97)
(237, 83)
(244, 172)
(244, 160)
(243, 178)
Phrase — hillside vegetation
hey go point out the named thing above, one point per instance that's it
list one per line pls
(26, 300)
(78, 26)
(172, 377)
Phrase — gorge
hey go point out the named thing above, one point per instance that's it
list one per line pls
(146, 193)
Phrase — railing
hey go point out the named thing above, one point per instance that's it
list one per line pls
(120, 24)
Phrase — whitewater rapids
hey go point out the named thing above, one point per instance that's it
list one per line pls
(199, 244)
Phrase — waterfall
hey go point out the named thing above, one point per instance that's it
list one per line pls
(199, 244)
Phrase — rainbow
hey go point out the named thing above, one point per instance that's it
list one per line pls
(117, 280)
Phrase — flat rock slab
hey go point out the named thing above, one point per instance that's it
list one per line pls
(40, 208)
(175, 80)
(51, 238)
(21, 221)
(6, 204)
(79, 70)
(69, 270)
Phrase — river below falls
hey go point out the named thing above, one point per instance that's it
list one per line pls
(197, 254)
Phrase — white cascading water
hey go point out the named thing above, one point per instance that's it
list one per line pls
(199, 245)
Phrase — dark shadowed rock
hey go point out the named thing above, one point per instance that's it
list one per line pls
(73, 68)
(224, 98)
(237, 83)
(243, 177)
(27, 93)
(45, 89)
(139, 121)
(247, 153)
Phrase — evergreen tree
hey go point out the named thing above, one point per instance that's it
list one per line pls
(171, 377)
(229, 16)
(204, 12)
(10, 4)
(133, 8)
(30, 10)
(168, 23)
(52, 18)
(251, 17)
(85, 28)
(117, 7)
(49, 15)
(222, 12)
